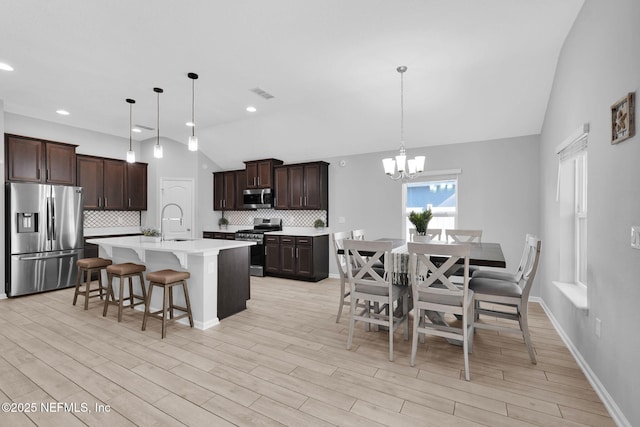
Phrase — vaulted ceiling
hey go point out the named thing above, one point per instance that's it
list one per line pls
(476, 70)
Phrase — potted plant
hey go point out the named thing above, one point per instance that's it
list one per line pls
(318, 223)
(150, 235)
(421, 220)
(223, 222)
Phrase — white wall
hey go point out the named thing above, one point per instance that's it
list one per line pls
(179, 162)
(88, 142)
(598, 65)
(2, 203)
(497, 191)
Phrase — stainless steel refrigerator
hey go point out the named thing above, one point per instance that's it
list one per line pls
(44, 237)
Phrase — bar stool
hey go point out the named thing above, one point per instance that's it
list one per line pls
(86, 266)
(167, 279)
(127, 270)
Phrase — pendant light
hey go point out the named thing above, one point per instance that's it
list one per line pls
(416, 165)
(193, 139)
(157, 149)
(131, 155)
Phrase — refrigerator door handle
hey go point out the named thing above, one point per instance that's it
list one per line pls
(53, 219)
(40, 257)
(48, 218)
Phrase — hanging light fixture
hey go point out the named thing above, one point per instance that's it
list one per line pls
(415, 165)
(131, 155)
(157, 149)
(193, 139)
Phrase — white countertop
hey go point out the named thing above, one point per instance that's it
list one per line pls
(286, 231)
(300, 231)
(195, 246)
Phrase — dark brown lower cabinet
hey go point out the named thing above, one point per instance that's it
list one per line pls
(296, 257)
(233, 281)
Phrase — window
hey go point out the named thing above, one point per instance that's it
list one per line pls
(440, 193)
(572, 217)
(572, 201)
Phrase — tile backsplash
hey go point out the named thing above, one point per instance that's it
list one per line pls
(290, 218)
(98, 219)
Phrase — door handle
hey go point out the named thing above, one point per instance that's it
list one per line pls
(105, 202)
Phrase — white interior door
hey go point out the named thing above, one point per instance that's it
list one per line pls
(176, 201)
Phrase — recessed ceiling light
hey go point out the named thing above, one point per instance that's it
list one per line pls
(136, 130)
(62, 112)
(190, 124)
(5, 67)
(251, 109)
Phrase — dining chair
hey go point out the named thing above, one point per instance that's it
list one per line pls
(432, 291)
(455, 235)
(463, 236)
(338, 239)
(358, 234)
(504, 275)
(507, 299)
(377, 291)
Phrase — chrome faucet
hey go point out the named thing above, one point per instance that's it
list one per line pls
(163, 219)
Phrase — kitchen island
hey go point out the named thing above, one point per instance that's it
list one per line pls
(219, 282)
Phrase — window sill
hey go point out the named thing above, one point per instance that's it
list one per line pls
(575, 293)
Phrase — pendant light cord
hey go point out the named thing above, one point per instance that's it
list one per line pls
(130, 123)
(402, 108)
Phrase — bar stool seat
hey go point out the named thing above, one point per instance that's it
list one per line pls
(86, 266)
(126, 270)
(167, 279)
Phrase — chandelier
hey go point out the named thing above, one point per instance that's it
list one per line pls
(397, 169)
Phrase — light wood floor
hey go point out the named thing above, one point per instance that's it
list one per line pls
(281, 362)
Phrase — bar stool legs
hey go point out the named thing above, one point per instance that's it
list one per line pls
(124, 271)
(167, 280)
(86, 266)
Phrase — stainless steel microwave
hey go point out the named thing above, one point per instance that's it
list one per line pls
(258, 198)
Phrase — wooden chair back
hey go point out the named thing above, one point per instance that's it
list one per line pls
(463, 236)
(364, 273)
(338, 238)
(358, 234)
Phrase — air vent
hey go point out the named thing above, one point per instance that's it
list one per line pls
(262, 93)
(143, 127)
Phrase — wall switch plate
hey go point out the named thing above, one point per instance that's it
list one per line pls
(598, 327)
(341, 220)
(635, 236)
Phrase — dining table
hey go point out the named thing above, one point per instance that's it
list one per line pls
(483, 254)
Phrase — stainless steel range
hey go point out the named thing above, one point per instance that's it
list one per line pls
(256, 234)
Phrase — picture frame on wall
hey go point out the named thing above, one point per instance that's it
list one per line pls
(623, 119)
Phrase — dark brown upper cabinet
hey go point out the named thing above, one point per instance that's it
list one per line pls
(302, 186)
(136, 186)
(37, 160)
(224, 191)
(260, 173)
(111, 184)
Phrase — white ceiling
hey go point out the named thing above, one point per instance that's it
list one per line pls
(476, 70)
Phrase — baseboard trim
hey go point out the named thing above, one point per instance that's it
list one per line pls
(615, 412)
